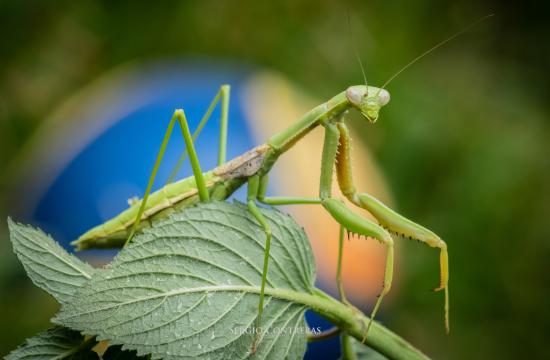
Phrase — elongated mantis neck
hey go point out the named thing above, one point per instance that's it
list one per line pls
(285, 139)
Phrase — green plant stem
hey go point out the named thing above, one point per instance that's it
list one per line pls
(354, 323)
(347, 318)
(325, 335)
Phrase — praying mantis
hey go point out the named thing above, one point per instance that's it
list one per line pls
(252, 168)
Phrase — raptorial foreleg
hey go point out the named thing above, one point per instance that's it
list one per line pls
(388, 218)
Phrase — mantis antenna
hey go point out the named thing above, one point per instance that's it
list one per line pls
(357, 52)
(436, 47)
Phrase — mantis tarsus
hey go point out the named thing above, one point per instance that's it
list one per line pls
(253, 168)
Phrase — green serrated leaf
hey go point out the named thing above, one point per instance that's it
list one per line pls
(56, 343)
(49, 266)
(188, 288)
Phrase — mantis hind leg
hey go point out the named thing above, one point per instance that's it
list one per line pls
(178, 116)
(222, 149)
(223, 96)
(387, 217)
(195, 164)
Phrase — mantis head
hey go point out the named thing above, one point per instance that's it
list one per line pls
(368, 100)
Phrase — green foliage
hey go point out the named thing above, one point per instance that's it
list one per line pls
(48, 265)
(463, 142)
(62, 343)
(188, 287)
(55, 343)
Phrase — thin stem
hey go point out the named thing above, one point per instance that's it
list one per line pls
(353, 323)
(324, 335)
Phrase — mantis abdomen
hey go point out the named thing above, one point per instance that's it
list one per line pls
(220, 183)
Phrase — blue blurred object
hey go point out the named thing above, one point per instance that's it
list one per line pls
(326, 349)
(114, 165)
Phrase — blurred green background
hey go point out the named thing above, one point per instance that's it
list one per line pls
(463, 143)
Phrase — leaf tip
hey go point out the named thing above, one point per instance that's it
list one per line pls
(11, 223)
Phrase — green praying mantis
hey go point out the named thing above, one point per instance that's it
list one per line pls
(253, 167)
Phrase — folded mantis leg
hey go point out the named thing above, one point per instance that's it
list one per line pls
(223, 95)
(387, 217)
(348, 219)
(179, 116)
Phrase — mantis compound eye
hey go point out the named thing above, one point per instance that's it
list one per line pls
(355, 94)
(383, 97)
